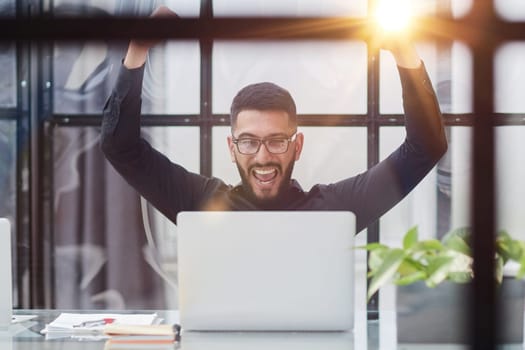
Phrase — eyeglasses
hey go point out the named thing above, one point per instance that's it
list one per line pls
(274, 145)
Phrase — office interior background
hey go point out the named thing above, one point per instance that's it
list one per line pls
(84, 239)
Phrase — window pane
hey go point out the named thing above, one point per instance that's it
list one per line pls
(180, 144)
(222, 166)
(173, 78)
(85, 72)
(8, 197)
(510, 175)
(437, 204)
(8, 73)
(323, 77)
(460, 147)
(419, 207)
(511, 10)
(139, 8)
(460, 8)
(509, 206)
(7, 61)
(509, 77)
(83, 76)
(300, 8)
(8, 169)
(442, 200)
(100, 221)
(7, 8)
(449, 68)
(331, 154)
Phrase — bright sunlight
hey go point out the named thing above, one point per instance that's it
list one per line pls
(393, 15)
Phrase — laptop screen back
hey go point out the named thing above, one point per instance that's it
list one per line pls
(266, 270)
(6, 301)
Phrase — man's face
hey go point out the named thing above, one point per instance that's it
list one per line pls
(265, 175)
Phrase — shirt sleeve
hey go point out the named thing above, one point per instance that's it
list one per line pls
(370, 194)
(166, 185)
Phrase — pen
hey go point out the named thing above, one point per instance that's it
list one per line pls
(177, 329)
(94, 323)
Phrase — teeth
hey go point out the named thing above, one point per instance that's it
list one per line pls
(264, 171)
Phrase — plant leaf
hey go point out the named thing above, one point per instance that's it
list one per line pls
(461, 232)
(499, 269)
(460, 277)
(410, 265)
(521, 271)
(411, 238)
(411, 278)
(372, 246)
(429, 244)
(438, 270)
(508, 248)
(376, 258)
(504, 234)
(458, 244)
(461, 262)
(386, 271)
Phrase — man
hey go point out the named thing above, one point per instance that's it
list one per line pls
(264, 144)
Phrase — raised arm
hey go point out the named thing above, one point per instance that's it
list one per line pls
(168, 186)
(138, 49)
(406, 55)
(377, 190)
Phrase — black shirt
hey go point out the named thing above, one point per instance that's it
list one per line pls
(171, 188)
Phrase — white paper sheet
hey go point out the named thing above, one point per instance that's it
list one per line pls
(72, 323)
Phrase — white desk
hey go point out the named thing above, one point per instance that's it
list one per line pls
(372, 335)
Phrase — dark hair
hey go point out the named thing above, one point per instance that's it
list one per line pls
(263, 97)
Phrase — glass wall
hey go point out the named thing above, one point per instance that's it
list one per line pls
(510, 10)
(510, 170)
(8, 131)
(84, 74)
(8, 72)
(95, 248)
(323, 77)
(300, 8)
(9, 137)
(8, 141)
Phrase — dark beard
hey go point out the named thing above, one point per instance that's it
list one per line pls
(267, 203)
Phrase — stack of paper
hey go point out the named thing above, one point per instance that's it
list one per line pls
(68, 324)
(152, 336)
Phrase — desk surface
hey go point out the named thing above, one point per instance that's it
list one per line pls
(370, 335)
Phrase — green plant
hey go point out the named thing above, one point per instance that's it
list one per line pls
(435, 261)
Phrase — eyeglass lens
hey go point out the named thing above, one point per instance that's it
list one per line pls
(252, 146)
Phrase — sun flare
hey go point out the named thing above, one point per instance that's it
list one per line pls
(393, 15)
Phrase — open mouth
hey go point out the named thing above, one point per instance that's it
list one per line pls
(265, 175)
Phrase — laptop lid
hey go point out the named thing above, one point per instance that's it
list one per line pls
(6, 301)
(266, 270)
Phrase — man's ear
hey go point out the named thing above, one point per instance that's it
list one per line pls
(299, 140)
(231, 146)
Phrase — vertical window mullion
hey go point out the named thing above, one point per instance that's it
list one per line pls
(373, 153)
(483, 311)
(23, 213)
(206, 46)
(206, 108)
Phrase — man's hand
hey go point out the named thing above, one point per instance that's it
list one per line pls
(405, 54)
(138, 49)
(390, 25)
(400, 45)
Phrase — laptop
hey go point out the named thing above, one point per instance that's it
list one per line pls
(6, 301)
(266, 270)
